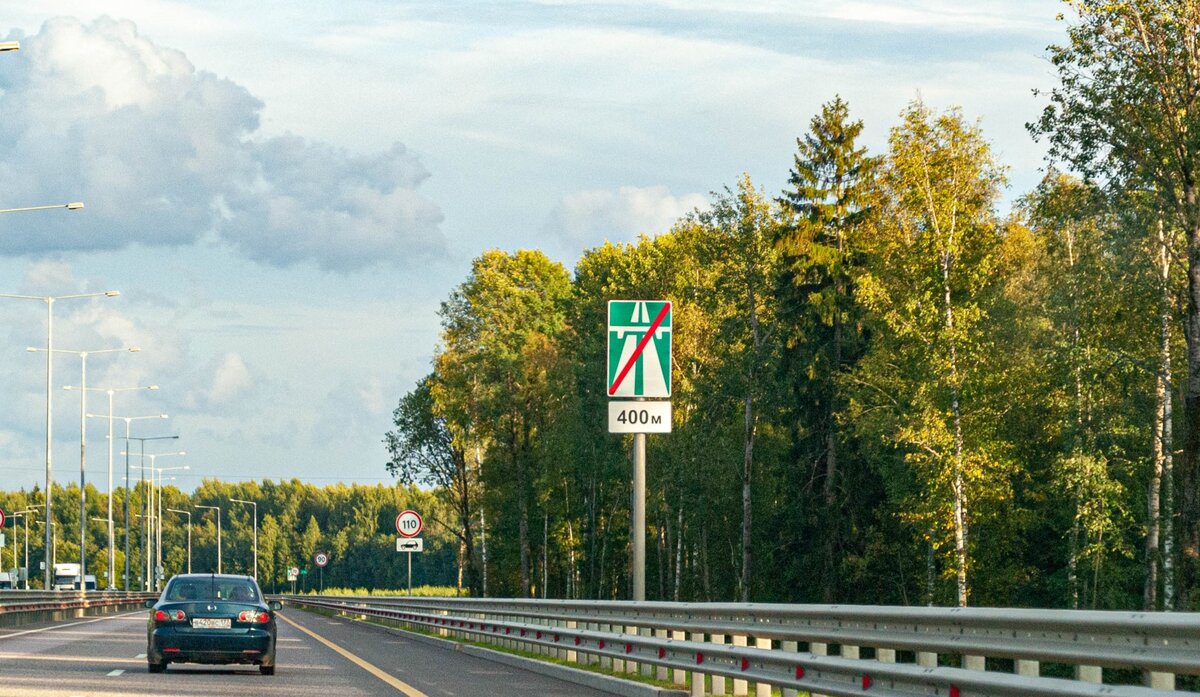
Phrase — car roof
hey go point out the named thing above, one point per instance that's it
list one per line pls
(211, 577)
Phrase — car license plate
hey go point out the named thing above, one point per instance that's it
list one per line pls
(210, 623)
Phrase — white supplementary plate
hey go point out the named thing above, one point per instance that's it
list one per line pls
(639, 417)
(410, 544)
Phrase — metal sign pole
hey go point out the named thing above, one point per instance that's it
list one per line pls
(638, 522)
(410, 574)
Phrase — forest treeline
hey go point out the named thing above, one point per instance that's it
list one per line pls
(886, 390)
(355, 525)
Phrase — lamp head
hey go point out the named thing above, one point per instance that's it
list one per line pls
(112, 293)
(75, 206)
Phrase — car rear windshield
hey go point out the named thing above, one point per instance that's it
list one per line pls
(235, 590)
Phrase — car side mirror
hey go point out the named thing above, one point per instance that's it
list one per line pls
(150, 603)
(276, 605)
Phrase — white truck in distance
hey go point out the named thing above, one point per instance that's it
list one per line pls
(65, 576)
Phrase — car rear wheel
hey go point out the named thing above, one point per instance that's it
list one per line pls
(156, 667)
(267, 670)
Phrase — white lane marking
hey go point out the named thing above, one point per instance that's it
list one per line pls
(140, 655)
(61, 626)
(115, 673)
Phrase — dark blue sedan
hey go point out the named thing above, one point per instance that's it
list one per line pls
(210, 618)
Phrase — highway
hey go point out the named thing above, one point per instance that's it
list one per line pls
(317, 656)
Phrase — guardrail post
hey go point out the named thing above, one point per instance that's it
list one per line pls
(885, 655)
(697, 677)
(680, 675)
(790, 647)
(1094, 674)
(660, 672)
(572, 655)
(974, 663)
(718, 681)
(849, 651)
(927, 659)
(1029, 669)
(605, 662)
(740, 687)
(645, 631)
(1160, 681)
(818, 648)
(631, 666)
(762, 689)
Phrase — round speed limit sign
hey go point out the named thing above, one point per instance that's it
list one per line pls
(321, 559)
(409, 523)
(2, 519)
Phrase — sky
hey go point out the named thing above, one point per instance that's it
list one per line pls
(283, 193)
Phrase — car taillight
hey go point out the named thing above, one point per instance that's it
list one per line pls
(253, 616)
(169, 616)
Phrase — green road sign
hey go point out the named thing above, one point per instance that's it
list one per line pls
(639, 348)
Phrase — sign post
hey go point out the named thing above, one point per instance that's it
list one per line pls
(639, 367)
(321, 559)
(409, 524)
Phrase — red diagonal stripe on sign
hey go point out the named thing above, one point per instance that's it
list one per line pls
(637, 352)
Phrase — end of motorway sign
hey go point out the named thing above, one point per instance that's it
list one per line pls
(639, 348)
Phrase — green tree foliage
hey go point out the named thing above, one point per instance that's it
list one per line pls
(295, 520)
(423, 449)
(500, 334)
(1127, 110)
(830, 196)
(933, 254)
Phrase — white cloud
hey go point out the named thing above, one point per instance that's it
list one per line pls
(163, 154)
(589, 218)
(230, 379)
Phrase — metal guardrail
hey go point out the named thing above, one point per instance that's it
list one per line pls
(762, 643)
(20, 605)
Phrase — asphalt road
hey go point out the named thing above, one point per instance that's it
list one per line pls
(105, 657)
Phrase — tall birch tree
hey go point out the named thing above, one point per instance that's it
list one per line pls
(931, 261)
(1127, 110)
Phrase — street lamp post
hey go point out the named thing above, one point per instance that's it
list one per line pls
(112, 552)
(255, 504)
(83, 356)
(154, 513)
(24, 514)
(189, 534)
(218, 510)
(50, 300)
(128, 420)
(73, 206)
(158, 515)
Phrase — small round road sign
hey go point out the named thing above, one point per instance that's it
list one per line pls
(321, 559)
(1, 518)
(409, 523)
